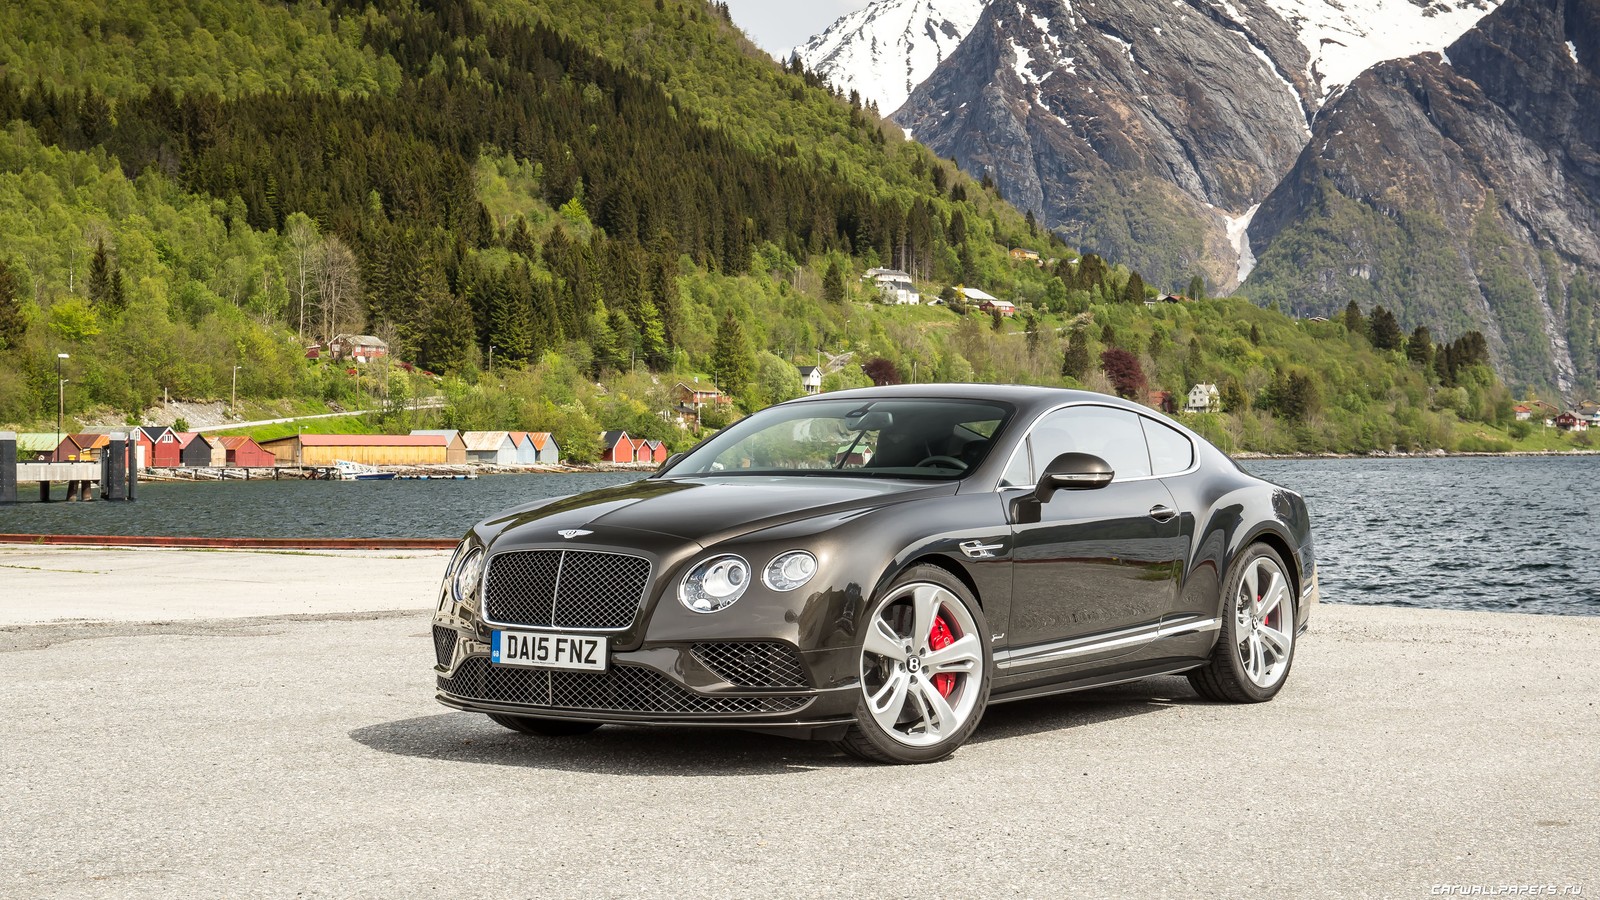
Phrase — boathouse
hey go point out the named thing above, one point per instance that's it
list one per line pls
(367, 449)
(82, 447)
(195, 449)
(523, 441)
(493, 448)
(455, 449)
(165, 449)
(545, 450)
(246, 453)
(619, 448)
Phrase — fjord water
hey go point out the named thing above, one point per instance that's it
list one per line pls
(1463, 533)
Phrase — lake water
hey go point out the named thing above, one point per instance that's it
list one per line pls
(1470, 533)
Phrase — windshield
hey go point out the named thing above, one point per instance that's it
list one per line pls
(902, 438)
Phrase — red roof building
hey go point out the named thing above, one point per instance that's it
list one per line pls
(246, 453)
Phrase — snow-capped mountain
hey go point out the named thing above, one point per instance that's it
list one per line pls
(887, 49)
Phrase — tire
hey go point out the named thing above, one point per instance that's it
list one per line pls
(920, 699)
(543, 727)
(1255, 646)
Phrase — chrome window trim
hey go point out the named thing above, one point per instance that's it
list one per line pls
(483, 591)
(1083, 646)
(1022, 447)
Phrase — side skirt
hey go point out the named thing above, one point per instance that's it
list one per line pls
(1106, 679)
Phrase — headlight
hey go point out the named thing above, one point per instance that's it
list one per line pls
(714, 584)
(468, 574)
(788, 571)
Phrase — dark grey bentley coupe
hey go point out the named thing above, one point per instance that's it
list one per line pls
(875, 567)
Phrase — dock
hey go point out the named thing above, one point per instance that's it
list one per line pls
(115, 477)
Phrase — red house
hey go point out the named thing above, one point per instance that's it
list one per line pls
(162, 447)
(619, 448)
(1570, 421)
(654, 451)
(246, 453)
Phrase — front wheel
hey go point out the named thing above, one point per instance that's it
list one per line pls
(925, 663)
(1256, 646)
(543, 727)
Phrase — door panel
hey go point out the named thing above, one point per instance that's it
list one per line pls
(1094, 570)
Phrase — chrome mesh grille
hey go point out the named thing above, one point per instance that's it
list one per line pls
(565, 588)
(630, 689)
(444, 644)
(752, 664)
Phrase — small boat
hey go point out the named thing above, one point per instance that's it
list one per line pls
(354, 471)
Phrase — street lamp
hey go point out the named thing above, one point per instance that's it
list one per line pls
(61, 399)
(233, 401)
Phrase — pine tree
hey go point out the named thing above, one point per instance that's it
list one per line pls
(100, 275)
(1419, 349)
(1353, 320)
(1197, 288)
(1386, 334)
(1255, 334)
(652, 336)
(732, 363)
(1075, 362)
(833, 283)
(1133, 292)
(12, 324)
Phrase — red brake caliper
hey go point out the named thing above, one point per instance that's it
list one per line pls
(939, 637)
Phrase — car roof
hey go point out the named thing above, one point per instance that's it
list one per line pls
(1024, 396)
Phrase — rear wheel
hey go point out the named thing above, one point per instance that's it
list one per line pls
(544, 727)
(924, 670)
(1256, 647)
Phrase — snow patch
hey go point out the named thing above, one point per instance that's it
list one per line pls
(1572, 51)
(1346, 38)
(1021, 58)
(1126, 46)
(1239, 237)
(908, 133)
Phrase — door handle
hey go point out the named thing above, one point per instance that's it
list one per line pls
(1162, 513)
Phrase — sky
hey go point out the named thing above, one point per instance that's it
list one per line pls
(778, 25)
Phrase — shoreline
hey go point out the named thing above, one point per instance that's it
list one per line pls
(1430, 454)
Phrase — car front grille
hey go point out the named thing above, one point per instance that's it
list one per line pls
(444, 644)
(626, 689)
(752, 664)
(565, 588)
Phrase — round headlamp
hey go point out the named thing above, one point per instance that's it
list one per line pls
(469, 574)
(714, 584)
(788, 571)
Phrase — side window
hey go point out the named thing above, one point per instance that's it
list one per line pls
(1017, 472)
(1170, 451)
(1114, 435)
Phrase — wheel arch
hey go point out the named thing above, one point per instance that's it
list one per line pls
(1280, 545)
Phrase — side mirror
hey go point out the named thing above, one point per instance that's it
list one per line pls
(1073, 472)
(672, 460)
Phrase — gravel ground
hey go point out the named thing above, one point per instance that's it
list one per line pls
(305, 756)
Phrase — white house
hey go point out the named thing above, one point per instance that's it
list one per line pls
(1203, 397)
(811, 379)
(894, 285)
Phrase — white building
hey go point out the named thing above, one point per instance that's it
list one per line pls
(811, 379)
(1203, 397)
(894, 285)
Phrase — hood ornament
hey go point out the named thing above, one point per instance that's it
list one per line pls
(570, 533)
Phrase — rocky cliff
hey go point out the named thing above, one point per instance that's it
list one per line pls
(1140, 129)
(1462, 190)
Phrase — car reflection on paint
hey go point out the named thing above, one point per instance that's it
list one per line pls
(876, 567)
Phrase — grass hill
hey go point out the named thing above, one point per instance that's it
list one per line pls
(613, 195)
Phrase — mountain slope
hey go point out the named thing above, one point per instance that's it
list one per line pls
(1136, 128)
(1461, 190)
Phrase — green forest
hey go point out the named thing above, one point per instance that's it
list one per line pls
(614, 195)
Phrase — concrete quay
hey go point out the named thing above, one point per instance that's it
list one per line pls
(263, 725)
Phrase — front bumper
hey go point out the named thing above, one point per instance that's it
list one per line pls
(655, 684)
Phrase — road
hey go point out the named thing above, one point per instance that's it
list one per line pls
(243, 756)
(424, 403)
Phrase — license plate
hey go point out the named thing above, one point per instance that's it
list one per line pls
(539, 650)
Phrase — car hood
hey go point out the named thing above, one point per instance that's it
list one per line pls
(707, 510)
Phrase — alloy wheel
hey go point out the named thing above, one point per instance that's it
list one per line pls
(1264, 623)
(921, 665)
